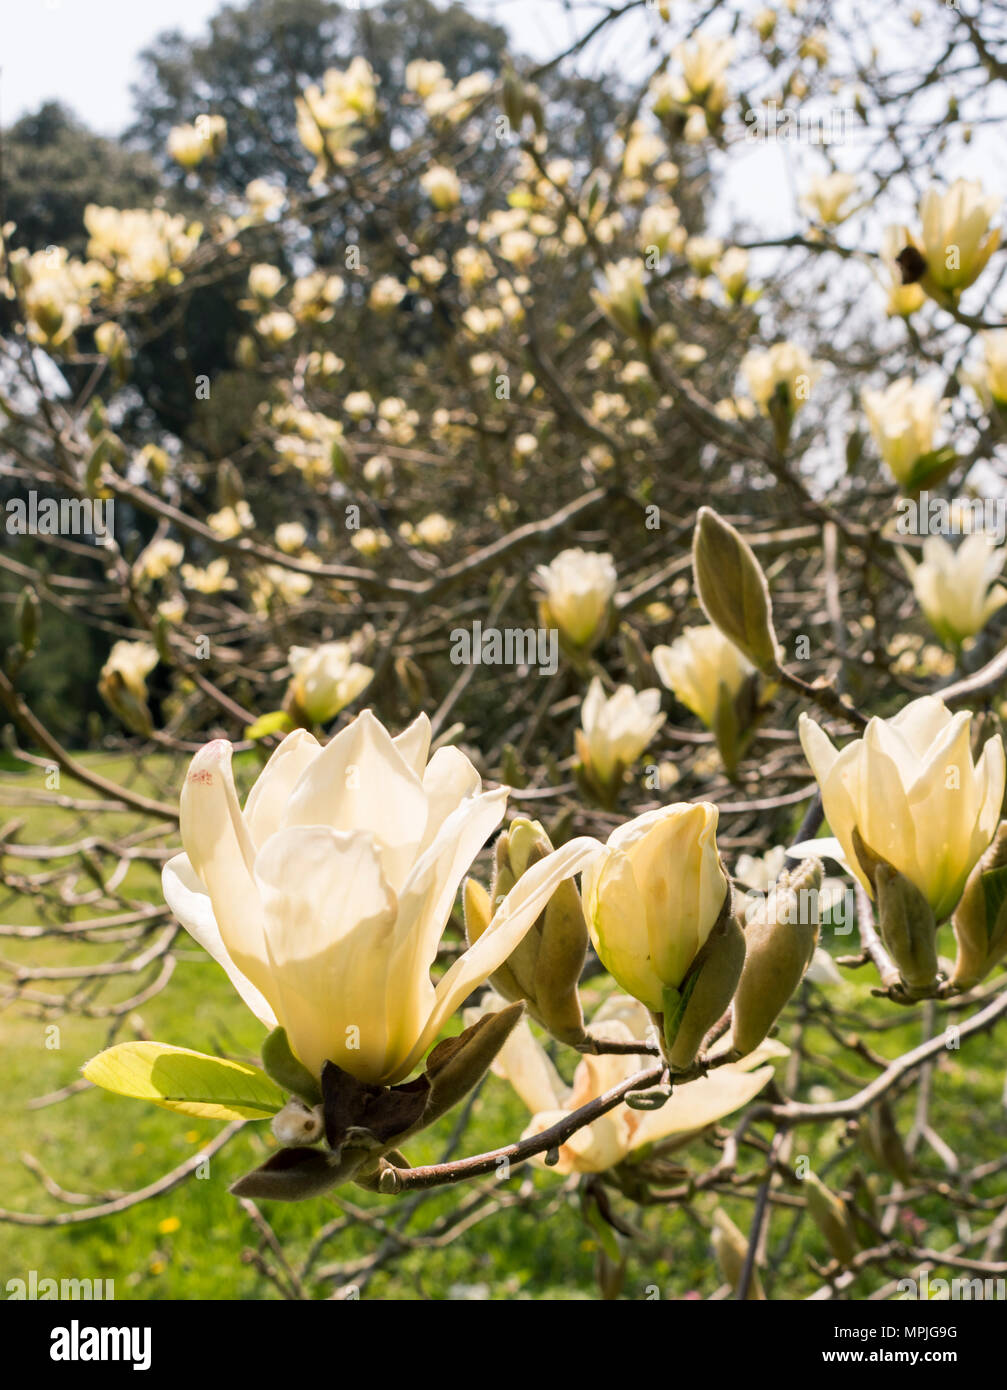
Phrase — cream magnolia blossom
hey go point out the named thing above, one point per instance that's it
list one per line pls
(732, 272)
(903, 299)
(910, 788)
(697, 664)
(441, 186)
(956, 588)
(703, 63)
(827, 196)
(903, 420)
(990, 378)
(326, 679)
(616, 730)
(956, 239)
(622, 296)
(578, 586)
(783, 368)
(132, 663)
(325, 898)
(621, 1132)
(653, 895)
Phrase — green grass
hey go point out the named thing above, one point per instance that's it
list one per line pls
(190, 1243)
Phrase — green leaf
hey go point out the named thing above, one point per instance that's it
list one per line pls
(188, 1082)
(278, 721)
(285, 1069)
(931, 468)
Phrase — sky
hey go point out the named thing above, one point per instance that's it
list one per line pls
(98, 90)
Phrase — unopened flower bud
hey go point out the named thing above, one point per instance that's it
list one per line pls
(980, 920)
(706, 991)
(906, 920)
(780, 940)
(832, 1217)
(733, 589)
(544, 968)
(731, 1250)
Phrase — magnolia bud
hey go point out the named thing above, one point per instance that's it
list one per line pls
(832, 1217)
(733, 589)
(731, 1250)
(980, 920)
(706, 991)
(26, 619)
(544, 968)
(780, 941)
(907, 926)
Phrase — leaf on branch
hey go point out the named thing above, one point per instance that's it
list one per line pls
(190, 1083)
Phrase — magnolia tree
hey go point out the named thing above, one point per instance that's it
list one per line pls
(429, 552)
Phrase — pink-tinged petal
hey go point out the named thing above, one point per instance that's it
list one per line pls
(220, 850)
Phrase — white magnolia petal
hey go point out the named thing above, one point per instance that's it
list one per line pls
(514, 917)
(425, 904)
(701, 1103)
(361, 782)
(268, 798)
(188, 899)
(449, 779)
(414, 743)
(330, 916)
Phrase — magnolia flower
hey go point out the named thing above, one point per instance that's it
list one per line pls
(265, 281)
(325, 898)
(825, 197)
(290, 536)
(990, 379)
(732, 272)
(186, 145)
(653, 895)
(578, 586)
(622, 297)
(910, 788)
(132, 662)
(617, 730)
(661, 227)
(955, 588)
(122, 683)
(956, 240)
(703, 252)
(703, 64)
(903, 419)
(697, 664)
(326, 679)
(158, 559)
(784, 370)
(903, 298)
(621, 1132)
(441, 186)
